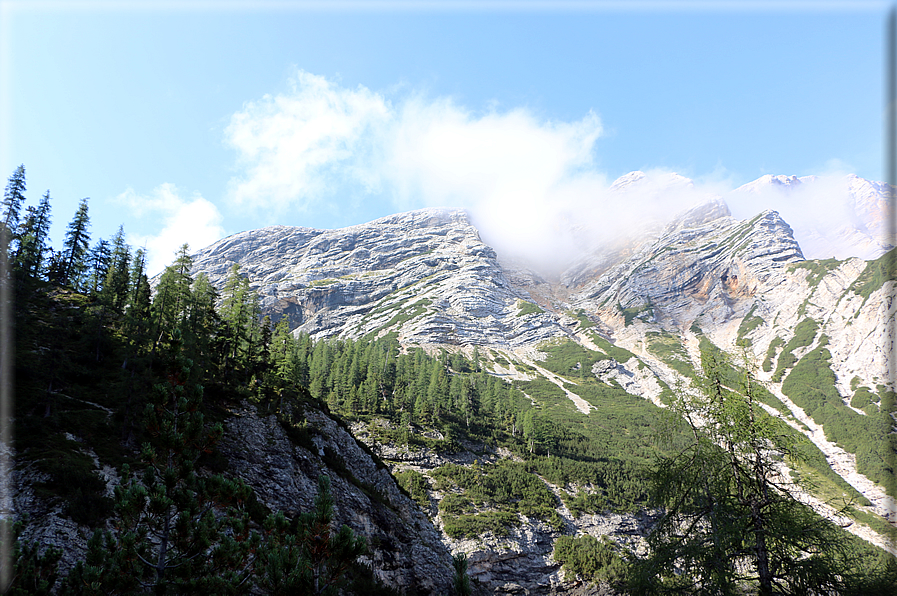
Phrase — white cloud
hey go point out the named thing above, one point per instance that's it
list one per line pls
(509, 169)
(530, 184)
(195, 221)
(298, 147)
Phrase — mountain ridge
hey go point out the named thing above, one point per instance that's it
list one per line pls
(645, 308)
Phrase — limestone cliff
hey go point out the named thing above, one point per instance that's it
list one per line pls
(424, 275)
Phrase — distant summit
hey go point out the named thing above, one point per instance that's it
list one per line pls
(840, 217)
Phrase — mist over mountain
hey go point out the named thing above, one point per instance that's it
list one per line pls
(473, 401)
(838, 216)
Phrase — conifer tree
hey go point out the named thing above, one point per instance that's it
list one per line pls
(98, 266)
(139, 290)
(35, 569)
(33, 237)
(238, 311)
(202, 321)
(13, 197)
(308, 556)
(283, 351)
(117, 278)
(173, 297)
(74, 248)
(460, 579)
(176, 531)
(731, 523)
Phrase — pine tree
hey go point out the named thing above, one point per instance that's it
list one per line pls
(33, 237)
(308, 556)
(74, 248)
(460, 579)
(13, 197)
(35, 569)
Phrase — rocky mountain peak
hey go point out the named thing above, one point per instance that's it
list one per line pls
(769, 180)
(699, 215)
(424, 275)
(627, 180)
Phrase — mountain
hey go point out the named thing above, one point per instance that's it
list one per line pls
(845, 216)
(424, 275)
(462, 402)
(644, 305)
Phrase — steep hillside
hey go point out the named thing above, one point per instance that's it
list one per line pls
(639, 314)
(89, 383)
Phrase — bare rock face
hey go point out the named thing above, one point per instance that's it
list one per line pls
(705, 263)
(424, 275)
(406, 551)
(48, 525)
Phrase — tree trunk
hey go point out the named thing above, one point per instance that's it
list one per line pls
(762, 553)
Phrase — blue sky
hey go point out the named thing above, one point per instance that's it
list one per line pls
(187, 122)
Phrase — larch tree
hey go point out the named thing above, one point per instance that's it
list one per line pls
(173, 297)
(139, 296)
(97, 266)
(117, 278)
(731, 521)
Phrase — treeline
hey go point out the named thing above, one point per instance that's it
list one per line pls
(376, 378)
(107, 270)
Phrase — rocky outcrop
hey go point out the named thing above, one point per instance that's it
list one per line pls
(406, 551)
(520, 562)
(704, 264)
(424, 275)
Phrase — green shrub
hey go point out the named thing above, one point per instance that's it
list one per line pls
(811, 385)
(669, 349)
(570, 359)
(584, 502)
(455, 504)
(415, 484)
(818, 268)
(804, 334)
(635, 312)
(474, 526)
(589, 558)
(748, 324)
(771, 352)
(875, 274)
(584, 321)
(74, 479)
(863, 397)
(528, 308)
